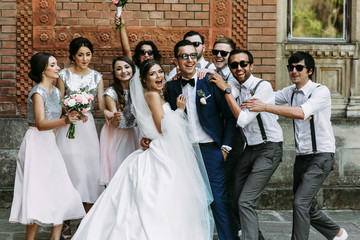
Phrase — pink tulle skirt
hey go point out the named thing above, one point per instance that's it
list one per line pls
(115, 145)
(82, 158)
(43, 192)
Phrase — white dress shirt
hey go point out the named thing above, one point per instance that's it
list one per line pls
(319, 105)
(247, 120)
(202, 63)
(199, 133)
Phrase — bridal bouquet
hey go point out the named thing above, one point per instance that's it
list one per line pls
(79, 101)
(119, 4)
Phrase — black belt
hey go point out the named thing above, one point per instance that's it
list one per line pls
(207, 144)
(261, 145)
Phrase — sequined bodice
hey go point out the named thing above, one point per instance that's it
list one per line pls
(51, 103)
(74, 82)
(128, 120)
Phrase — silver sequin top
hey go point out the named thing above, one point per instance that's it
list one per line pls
(128, 120)
(74, 82)
(51, 103)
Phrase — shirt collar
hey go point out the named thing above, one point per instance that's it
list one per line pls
(306, 88)
(248, 83)
(202, 62)
(225, 71)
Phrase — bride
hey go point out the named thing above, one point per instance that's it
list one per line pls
(163, 192)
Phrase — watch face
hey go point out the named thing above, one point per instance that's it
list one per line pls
(227, 90)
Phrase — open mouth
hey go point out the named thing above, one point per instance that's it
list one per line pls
(159, 83)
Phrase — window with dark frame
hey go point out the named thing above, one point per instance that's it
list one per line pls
(318, 21)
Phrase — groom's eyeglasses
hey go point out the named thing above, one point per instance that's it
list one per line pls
(298, 68)
(185, 56)
(235, 65)
(222, 53)
(148, 52)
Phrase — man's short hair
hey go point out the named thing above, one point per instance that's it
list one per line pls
(182, 43)
(194, 33)
(308, 59)
(237, 51)
(227, 41)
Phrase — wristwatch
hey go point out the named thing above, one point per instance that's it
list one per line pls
(227, 90)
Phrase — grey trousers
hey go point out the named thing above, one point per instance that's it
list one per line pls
(253, 172)
(310, 172)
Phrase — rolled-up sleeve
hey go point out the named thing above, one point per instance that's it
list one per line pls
(318, 100)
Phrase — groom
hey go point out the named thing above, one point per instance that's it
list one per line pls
(212, 125)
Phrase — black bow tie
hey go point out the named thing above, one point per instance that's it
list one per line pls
(297, 91)
(191, 81)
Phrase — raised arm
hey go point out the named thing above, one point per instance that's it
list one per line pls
(153, 99)
(256, 105)
(124, 37)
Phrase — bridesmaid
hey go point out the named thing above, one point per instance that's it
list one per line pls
(144, 50)
(43, 192)
(121, 138)
(82, 154)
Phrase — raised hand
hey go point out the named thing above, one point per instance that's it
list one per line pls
(201, 73)
(219, 81)
(254, 105)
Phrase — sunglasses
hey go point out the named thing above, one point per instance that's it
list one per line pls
(196, 44)
(185, 56)
(148, 52)
(222, 53)
(298, 68)
(235, 65)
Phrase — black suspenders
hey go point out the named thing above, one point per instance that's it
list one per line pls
(312, 126)
(258, 117)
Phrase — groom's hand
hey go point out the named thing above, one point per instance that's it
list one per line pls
(145, 143)
(224, 155)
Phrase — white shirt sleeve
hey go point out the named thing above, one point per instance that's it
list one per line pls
(265, 93)
(319, 99)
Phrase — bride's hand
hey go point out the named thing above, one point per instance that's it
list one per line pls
(181, 101)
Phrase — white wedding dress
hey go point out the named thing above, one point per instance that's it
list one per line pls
(161, 193)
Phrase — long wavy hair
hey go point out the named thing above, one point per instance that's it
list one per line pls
(116, 85)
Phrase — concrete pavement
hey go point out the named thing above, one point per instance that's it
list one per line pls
(275, 225)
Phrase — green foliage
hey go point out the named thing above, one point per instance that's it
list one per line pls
(317, 19)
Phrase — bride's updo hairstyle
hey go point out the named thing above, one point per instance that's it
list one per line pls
(145, 68)
(76, 44)
(38, 64)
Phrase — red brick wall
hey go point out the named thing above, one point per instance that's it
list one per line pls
(52, 24)
(8, 58)
(261, 37)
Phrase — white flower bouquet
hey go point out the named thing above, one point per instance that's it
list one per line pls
(119, 4)
(79, 101)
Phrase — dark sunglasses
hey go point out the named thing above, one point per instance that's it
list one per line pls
(185, 56)
(298, 68)
(222, 53)
(196, 44)
(235, 65)
(148, 52)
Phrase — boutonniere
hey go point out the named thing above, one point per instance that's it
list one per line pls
(202, 96)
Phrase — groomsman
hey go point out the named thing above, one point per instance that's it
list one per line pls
(263, 151)
(198, 41)
(310, 108)
(213, 127)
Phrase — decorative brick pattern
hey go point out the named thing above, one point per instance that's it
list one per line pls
(49, 25)
(24, 39)
(239, 23)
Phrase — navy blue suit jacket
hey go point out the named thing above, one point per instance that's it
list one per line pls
(215, 117)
